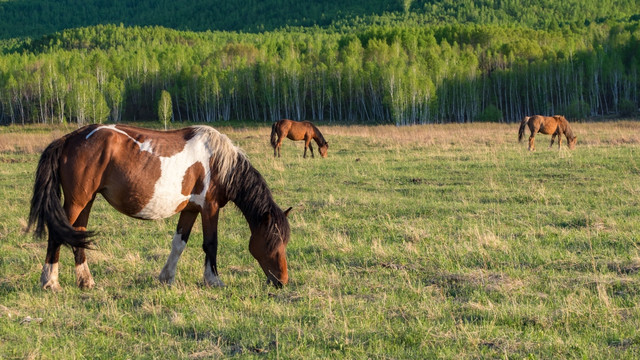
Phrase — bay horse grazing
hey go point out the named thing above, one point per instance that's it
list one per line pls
(297, 130)
(555, 125)
(149, 174)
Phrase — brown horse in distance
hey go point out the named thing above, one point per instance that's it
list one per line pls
(297, 130)
(149, 174)
(555, 125)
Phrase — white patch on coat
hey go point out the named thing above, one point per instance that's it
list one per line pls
(168, 273)
(145, 146)
(167, 194)
(210, 279)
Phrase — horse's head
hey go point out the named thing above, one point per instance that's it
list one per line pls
(572, 142)
(268, 245)
(323, 149)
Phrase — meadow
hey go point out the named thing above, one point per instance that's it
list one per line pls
(430, 241)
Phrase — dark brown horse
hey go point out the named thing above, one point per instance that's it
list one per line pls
(149, 174)
(555, 125)
(297, 130)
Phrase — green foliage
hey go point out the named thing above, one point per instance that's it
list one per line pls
(627, 107)
(490, 114)
(430, 65)
(165, 110)
(577, 110)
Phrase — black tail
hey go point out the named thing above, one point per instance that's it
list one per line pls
(523, 124)
(46, 207)
(273, 135)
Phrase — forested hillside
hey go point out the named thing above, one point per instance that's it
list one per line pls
(381, 61)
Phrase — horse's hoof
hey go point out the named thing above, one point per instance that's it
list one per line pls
(165, 279)
(53, 286)
(214, 282)
(85, 284)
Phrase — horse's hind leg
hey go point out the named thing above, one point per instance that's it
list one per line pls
(185, 223)
(532, 145)
(278, 144)
(84, 280)
(49, 276)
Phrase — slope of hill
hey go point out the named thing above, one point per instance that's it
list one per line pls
(29, 18)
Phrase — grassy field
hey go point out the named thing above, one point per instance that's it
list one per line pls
(444, 241)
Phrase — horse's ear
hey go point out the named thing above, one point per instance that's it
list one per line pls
(286, 212)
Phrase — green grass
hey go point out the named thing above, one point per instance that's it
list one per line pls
(447, 241)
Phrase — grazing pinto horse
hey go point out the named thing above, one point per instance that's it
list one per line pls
(298, 130)
(149, 174)
(554, 125)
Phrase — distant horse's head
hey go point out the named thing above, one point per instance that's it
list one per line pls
(323, 149)
(268, 245)
(572, 142)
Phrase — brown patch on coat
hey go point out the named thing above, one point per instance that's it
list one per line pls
(192, 182)
(167, 144)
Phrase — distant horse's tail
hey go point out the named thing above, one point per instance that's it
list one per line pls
(46, 207)
(523, 124)
(273, 134)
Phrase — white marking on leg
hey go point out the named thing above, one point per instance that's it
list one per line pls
(49, 277)
(210, 279)
(84, 280)
(168, 273)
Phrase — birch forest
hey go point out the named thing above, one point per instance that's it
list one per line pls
(398, 62)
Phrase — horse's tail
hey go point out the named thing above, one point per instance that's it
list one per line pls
(523, 124)
(273, 134)
(46, 207)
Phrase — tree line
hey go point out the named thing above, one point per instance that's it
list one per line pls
(403, 73)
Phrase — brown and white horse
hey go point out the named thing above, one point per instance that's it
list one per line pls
(297, 130)
(149, 174)
(555, 125)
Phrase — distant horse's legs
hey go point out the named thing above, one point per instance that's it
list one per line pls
(84, 280)
(534, 130)
(278, 144)
(307, 144)
(210, 246)
(553, 137)
(560, 140)
(185, 223)
(532, 145)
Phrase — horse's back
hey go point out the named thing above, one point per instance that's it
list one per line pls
(144, 173)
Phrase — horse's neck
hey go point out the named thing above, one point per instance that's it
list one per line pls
(250, 193)
(318, 138)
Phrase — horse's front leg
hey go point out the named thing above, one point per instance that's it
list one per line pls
(553, 138)
(210, 246)
(185, 223)
(307, 143)
(559, 140)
